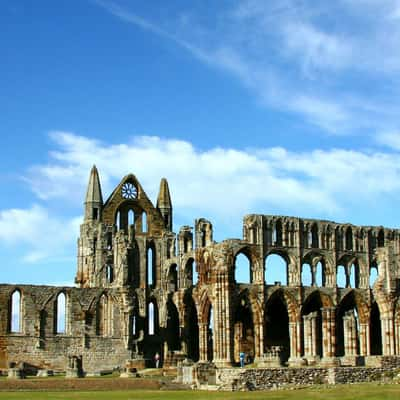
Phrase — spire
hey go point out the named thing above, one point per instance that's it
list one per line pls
(94, 198)
(164, 203)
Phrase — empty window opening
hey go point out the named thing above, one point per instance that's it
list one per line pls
(16, 312)
(60, 313)
(306, 275)
(275, 270)
(319, 274)
(133, 325)
(144, 222)
(131, 218)
(150, 266)
(210, 335)
(242, 269)
(118, 220)
(151, 319)
(110, 273)
(373, 275)
(353, 276)
(95, 213)
(341, 277)
(102, 316)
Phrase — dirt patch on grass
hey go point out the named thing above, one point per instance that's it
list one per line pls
(82, 384)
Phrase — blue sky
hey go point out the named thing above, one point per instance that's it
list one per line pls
(277, 107)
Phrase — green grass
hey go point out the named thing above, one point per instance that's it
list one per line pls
(342, 392)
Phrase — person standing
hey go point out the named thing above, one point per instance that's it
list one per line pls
(241, 358)
(157, 359)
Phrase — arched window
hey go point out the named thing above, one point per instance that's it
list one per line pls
(131, 217)
(306, 275)
(353, 276)
(195, 276)
(150, 266)
(173, 278)
(133, 325)
(373, 275)
(275, 270)
(144, 222)
(15, 312)
(60, 313)
(151, 318)
(118, 220)
(110, 273)
(242, 269)
(319, 275)
(338, 239)
(210, 335)
(349, 238)
(341, 278)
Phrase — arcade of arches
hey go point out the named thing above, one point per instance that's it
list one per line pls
(294, 291)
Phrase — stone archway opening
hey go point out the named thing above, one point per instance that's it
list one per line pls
(312, 328)
(191, 329)
(375, 331)
(244, 331)
(347, 328)
(277, 326)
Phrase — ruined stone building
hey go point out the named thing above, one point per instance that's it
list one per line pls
(141, 288)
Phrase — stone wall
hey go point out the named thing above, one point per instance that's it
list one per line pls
(270, 378)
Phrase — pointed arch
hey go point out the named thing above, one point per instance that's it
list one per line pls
(103, 317)
(191, 328)
(60, 313)
(341, 276)
(244, 334)
(15, 314)
(131, 217)
(172, 278)
(276, 268)
(375, 330)
(306, 275)
(242, 268)
(381, 238)
(152, 317)
(144, 222)
(172, 332)
(276, 324)
(373, 274)
(151, 265)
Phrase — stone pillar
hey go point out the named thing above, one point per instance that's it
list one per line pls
(350, 334)
(387, 336)
(365, 348)
(295, 344)
(223, 342)
(310, 337)
(202, 341)
(328, 336)
(258, 340)
(397, 337)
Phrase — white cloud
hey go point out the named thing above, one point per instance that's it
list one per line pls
(37, 234)
(389, 139)
(222, 182)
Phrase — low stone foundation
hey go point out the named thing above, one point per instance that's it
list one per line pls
(206, 376)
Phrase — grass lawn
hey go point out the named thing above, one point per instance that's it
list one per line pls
(342, 392)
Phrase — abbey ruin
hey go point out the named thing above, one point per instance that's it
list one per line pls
(142, 289)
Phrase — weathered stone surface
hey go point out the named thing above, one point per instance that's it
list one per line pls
(137, 295)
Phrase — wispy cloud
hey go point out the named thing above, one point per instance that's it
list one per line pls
(314, 60)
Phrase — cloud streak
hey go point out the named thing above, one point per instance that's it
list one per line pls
(298, 57)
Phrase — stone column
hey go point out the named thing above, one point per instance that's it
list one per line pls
(223, 344)
(387, 336)
(310, 337)
(295, 344)
(397, 336)
(328, 336)
(364, 340)
(202, 341)
(350, 334)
